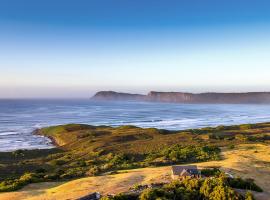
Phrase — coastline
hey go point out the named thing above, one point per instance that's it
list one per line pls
(52, 139)
(56, 144)
(16, 132)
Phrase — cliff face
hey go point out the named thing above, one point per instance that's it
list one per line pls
(170, 97)
(180, 97)
(233, 98)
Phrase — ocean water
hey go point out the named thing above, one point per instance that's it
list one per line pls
(19, 118)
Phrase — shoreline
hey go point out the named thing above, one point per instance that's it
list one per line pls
(52, 140)
(170, 116)
(55, 144)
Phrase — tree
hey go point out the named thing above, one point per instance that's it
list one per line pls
(224, 193)
(154, 194)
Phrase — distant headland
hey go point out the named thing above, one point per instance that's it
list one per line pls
(183, 97)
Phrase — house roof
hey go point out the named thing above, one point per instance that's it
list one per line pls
(182, 170)
(93, 196)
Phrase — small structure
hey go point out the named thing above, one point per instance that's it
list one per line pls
(93, 196)
(182, 172)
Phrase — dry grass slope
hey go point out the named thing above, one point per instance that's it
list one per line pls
(247, 160)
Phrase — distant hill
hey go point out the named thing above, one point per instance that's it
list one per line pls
(116, 96)
(182, 97)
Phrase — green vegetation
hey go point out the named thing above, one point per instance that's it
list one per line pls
(210, 172)
(249, 196)
(177, 154)
(214, 188)
(244, 184)
(92, 150)
(11, 185)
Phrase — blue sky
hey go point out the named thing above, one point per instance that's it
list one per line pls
(75, 48)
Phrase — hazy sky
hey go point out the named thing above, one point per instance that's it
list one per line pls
(68, 48)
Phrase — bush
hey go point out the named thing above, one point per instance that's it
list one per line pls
(210, 172)
(95, 170)
(247, 184)
(52, 176)
(57, 162)
(217, 188)
(178, 154)
(154, 194)
(241, 137)
(11, 185)
(121, 197)
(73, 173)
(18, 153)
(119, 159)
(249, 196)
(245, 127)
(40, 170)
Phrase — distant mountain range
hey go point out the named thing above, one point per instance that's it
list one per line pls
(182, 97)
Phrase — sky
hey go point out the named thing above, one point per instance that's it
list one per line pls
(72, 49)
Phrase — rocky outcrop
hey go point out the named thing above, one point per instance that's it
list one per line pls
(181, 97)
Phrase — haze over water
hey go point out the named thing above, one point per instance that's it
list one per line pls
(18, 118)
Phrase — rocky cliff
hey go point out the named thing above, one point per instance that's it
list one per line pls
(181, 97)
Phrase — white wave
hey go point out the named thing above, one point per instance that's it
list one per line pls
(4, 133)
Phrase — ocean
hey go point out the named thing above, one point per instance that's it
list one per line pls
(19, 118)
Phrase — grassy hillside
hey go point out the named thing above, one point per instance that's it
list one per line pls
(86, 150)
(240, 161)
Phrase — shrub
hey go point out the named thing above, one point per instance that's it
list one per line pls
(241, 137)
(40, 170)
(217, 188)
(210, 172)
(119, 159)
(11, 185)
(153, 194)
(138, 187)
(81, 163)
(249, 196)
(73, 173)
(57, 162)
(247, 184)
(182, 154)
(52, 176)
(121, 197)
(18, 153)
(95, 170)
(223, 192)
(245, 127)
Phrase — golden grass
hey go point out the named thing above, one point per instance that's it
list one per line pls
(247, 161)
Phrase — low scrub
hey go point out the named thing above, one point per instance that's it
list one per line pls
(200, 189)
